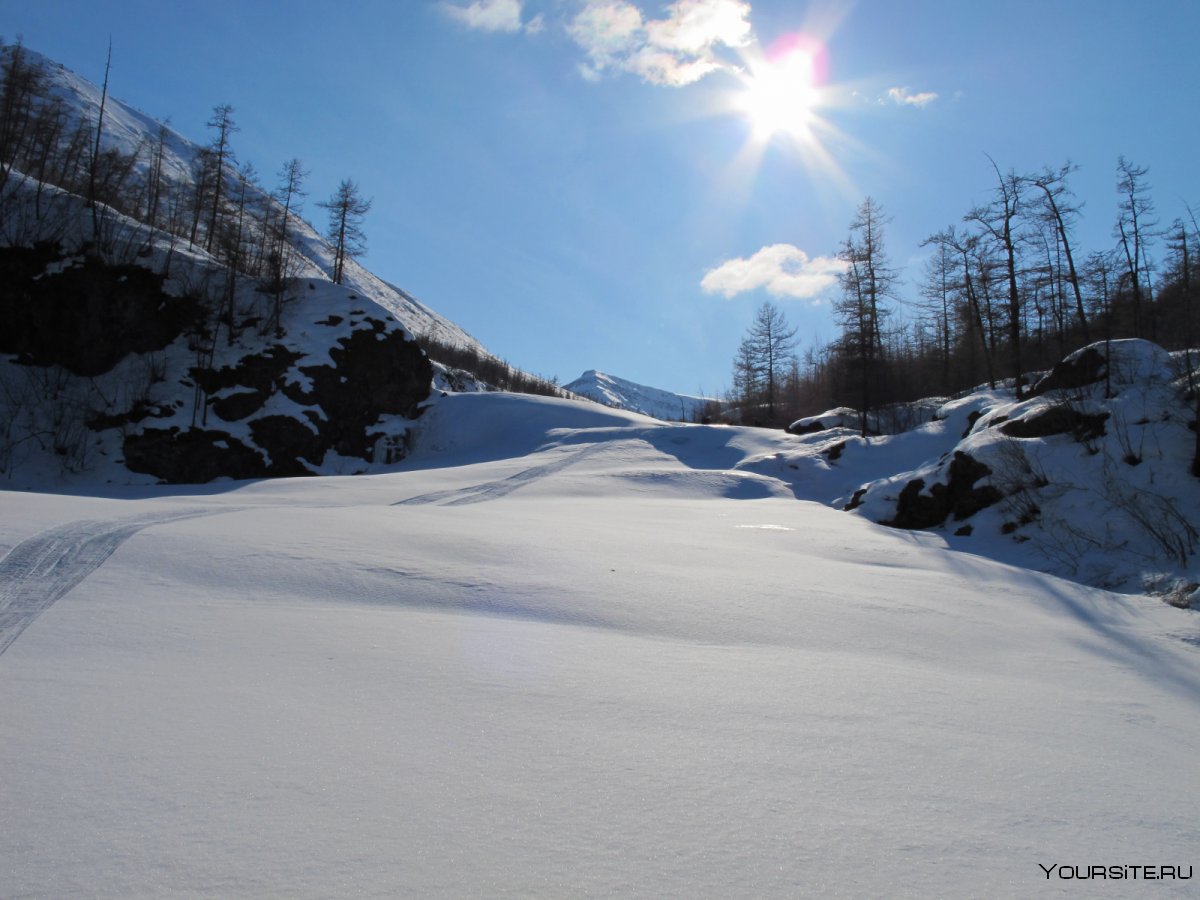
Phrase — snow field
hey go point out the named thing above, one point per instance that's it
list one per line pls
(569, 657)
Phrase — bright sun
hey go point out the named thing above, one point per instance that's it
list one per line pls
(780, 94)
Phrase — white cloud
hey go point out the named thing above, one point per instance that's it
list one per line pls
(784, 270)
(660, 67)
(677, 50)
(694, 26)
(607, 30)
(902, 97)
(489, 15)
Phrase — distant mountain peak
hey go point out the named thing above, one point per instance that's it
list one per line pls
(621, 393)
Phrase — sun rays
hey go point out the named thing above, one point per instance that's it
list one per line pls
(781, 91)
(784, 96)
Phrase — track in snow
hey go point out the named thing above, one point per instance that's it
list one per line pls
(494, 490)
(41, 569)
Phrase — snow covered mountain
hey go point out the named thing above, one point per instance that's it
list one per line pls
(649, 401)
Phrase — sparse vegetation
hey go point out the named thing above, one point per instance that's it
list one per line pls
(1001, 296)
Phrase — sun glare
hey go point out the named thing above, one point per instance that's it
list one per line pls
(780, 97)
(783, 95)
(781, 90)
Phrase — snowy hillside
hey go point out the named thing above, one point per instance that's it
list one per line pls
(1091, 487)
(134, 133)
(569, 651)
(119, 373)
(649, 401)
(184, 326)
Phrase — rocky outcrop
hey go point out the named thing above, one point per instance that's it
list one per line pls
(916, 508)
(192, 456)
(161, 382)
(82, 314)
(1061, 419)
(1077, 370)
(375, 371)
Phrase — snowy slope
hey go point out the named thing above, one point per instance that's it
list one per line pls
(1094, 488)
(650, 401)
(127, 128)
(197, 374)
(568, 651)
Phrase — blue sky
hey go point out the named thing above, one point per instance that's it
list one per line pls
(617, 184)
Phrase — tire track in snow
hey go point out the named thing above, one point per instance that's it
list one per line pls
(41, 569)
(493, 490)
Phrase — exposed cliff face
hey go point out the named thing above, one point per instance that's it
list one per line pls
(81, 314)
(118, 368)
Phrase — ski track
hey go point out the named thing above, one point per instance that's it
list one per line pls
(41, 569)
(494, 490)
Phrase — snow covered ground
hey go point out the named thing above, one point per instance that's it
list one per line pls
(568, 651)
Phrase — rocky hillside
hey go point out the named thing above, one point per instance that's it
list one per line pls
(164, 317)
(119, 371)
(1089, 477)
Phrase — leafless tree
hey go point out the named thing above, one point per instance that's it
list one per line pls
(222, 121)
(95, 162)
(1061, 210)
(999, 219)
(347, 208)
(868, 282)
(1134, 226)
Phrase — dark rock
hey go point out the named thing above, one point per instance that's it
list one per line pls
(374, 373)
(835, 452)
(1061, 419)
(971, 420)
(802, 427)
(194, 456)
(237, 406)
(262, 373)
(958, 497)
(89, 316)
(1076, 371)
(286, 441)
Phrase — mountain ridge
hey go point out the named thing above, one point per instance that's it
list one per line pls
(621, 393)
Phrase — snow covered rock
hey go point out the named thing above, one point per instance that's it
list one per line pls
(1094, 487)
(118, 371)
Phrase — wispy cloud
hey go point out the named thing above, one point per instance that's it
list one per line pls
(901, 96)
(676, 50)
(782, 269)
(490, 15)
